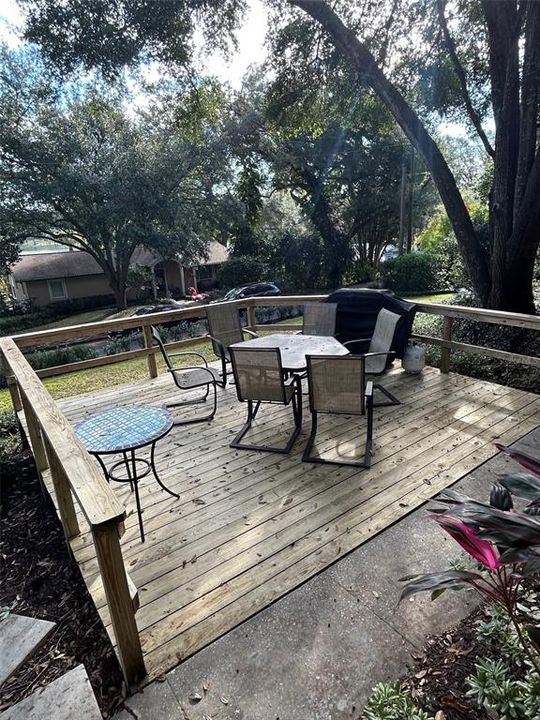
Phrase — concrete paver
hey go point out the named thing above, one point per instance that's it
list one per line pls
(68, 698)
(19, 637)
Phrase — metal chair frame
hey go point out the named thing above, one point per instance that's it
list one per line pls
(211, 381)
(391, 398)
(253, 406)
(366, 409)
(220, 349)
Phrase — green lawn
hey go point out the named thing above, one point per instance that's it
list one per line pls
(88, 316)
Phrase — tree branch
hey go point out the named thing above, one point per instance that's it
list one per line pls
(460, 73)
(363, 61)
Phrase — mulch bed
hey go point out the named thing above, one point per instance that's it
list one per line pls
(40, 579)
(437, 682)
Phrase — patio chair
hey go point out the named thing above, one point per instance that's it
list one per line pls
(189, 377)
(378, 354)
(319, 319)
(337, 386)
(259, 377)
(224, 329)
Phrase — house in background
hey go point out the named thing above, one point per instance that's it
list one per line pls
(48, 277)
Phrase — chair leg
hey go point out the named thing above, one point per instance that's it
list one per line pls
(365, 463)
(204, 418)
(252, 412)
(392, 399)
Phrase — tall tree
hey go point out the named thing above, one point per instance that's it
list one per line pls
(509, 33)
(84, 174)
(497, 47)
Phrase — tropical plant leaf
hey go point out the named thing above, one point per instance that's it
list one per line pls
(527, 461)
(446, 580)
(522, 485)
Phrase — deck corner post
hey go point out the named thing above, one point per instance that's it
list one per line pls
(445, 350)
(119, 600)
(251, 315)
(62, 491)
(151, 357)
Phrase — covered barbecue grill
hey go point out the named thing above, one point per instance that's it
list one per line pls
(357, 314)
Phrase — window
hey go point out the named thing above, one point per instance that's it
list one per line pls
(57, 289)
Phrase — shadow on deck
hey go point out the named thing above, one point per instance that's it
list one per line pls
(250, 526)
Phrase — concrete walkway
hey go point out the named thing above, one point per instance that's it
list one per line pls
(316, 653)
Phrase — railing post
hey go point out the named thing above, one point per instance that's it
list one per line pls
(445, 351)
(62, 491)
(34, 433)
(151, 357)
(122, 612)
(251, 315)
(15, 395)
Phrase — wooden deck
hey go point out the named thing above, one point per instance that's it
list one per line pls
(249, 527)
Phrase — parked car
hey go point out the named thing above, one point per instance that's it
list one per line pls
(258, 289)
(159, 307)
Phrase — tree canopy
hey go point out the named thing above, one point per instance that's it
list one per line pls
(84, 173)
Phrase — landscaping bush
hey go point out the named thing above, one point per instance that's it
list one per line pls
(40, 359)
(240, 271)
(414, 272)
(25, 316)
(10, 439)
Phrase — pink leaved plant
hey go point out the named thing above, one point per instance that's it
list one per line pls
(482, 550)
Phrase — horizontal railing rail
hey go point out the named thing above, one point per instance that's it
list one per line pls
(143, 323)
(60, 456)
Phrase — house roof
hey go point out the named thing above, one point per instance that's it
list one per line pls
(48, 266)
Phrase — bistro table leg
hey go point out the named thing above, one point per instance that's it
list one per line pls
(153, 466)
(134, 482)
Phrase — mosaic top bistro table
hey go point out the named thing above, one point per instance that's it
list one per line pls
(124, 431)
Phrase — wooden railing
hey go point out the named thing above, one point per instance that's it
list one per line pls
(143, 323)
(61, 457)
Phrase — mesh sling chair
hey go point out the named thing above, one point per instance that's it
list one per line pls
(337, 386)
(225, 329)
(259, 377)
(319, 319)
(378, 353)
(190, 377)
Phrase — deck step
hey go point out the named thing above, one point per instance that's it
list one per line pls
(20, 636)
(68, 697)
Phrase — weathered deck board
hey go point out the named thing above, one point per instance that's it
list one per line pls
(249, 526)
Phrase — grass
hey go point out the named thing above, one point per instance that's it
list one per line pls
(432, 298)
(88, 316)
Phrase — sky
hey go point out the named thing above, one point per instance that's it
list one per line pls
(251, 47)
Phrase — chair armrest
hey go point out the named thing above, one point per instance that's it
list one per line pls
(250, 332)
(388, 353)
(220, 345)
(369, 389)
(185, 354)
(356, 340)
(298, 332)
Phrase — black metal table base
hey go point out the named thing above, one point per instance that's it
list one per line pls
(134, 474)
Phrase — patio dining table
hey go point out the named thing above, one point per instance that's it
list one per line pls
(294, 348)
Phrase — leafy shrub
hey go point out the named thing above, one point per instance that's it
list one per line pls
(25, 316)
(390, 702)
(63, 355)
(497, 689)
(241, 270)
(360, 272)
(120, 344)
(414, 272)
(9, 436)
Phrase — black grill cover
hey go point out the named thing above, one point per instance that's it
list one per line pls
(357, 314)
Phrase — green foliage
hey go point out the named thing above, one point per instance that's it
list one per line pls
(241, 270)
(297, 262)
(413, 272)
(9, 437)
(390, 702)
(497, 630)
(497, 688)
(139, 278)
